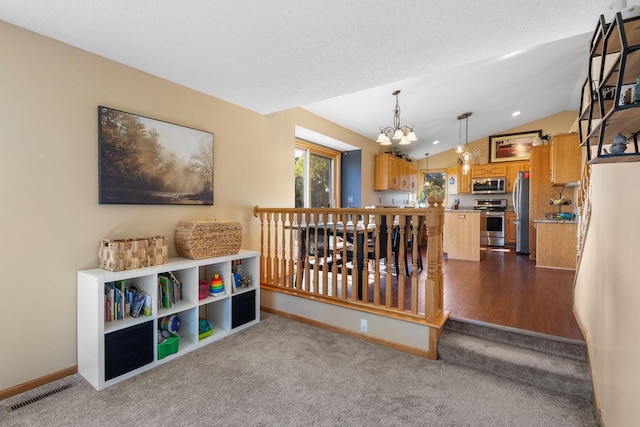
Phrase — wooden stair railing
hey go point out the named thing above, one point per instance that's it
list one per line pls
(584, 208)
(325, 253)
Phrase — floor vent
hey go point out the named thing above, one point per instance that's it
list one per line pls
(38, 397)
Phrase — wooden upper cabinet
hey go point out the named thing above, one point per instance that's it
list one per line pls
(512, 173)
(479, 171)
(392, 173)
(488, 171)
(411, 172)
(464, 182)
(565, 159)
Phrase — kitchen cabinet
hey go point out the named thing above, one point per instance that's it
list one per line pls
(510, 228)
(565, 159)
(464, 182)
(393, 173)
(607, 107)
(541, 190)
(411, 173)
(461, 182)
(556, 244)
(461, 235)
(512, 173)
(489, 171)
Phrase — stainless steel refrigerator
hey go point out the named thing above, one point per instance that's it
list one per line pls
(521, 207)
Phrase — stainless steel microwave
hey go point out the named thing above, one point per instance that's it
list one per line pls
(488, 185)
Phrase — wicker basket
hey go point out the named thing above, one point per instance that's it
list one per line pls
(207, 239)
(128, 254)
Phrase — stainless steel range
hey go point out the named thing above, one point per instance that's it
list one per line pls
(491, 221)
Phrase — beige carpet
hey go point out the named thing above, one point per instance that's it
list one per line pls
(284, 373)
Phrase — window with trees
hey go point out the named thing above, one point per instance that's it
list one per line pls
(315, 175)
(432, 185)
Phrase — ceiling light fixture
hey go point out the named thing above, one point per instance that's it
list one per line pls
(465, 155)
(516, 113)
(405, 134)
(436, 142)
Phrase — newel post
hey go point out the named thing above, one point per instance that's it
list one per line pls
(434, 285)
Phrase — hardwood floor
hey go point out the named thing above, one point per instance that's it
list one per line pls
(504, 289)
(507, 289)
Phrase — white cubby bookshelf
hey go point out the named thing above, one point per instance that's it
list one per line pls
(112, 351)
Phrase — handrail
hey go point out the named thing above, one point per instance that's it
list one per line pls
(584, 209)
(357, 258)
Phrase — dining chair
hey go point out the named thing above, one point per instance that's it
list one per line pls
(408, 245)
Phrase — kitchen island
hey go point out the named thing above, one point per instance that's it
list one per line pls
(462, 234)
(556, 242)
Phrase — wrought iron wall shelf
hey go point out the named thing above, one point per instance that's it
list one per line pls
(607, 107)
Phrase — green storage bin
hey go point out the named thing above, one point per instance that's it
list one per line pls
(168, 346)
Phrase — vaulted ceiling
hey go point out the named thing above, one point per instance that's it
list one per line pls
(342, 59)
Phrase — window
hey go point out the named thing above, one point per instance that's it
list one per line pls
(432, 185)
(315, 175)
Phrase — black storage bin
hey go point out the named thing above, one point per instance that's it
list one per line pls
(128, 349)
(243, 308)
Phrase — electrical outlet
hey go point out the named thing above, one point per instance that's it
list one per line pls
(363, 325)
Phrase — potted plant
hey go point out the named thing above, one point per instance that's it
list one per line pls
(428, 191)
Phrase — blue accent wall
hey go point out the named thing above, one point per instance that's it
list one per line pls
(351, 179)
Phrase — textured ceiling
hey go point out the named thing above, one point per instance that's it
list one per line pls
(341, 59)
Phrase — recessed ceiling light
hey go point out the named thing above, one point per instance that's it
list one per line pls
(436, 142)
(516, 113)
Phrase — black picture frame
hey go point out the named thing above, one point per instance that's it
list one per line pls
(152, 162)
(511, 147)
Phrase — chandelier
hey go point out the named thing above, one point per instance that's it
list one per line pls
(465, 155)
(398, 132)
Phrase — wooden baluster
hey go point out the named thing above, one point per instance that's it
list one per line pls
(300, 260)
(321, 288)
(269, 259)
(388, 300)
(345, 290)
(414, 262)
(307, 272)
(376, 256)
(401, 261)
(355, 274)
(364, 268)
(276, 254)
(289, 264)
(336, 254)
(263, 260)
(316, 260)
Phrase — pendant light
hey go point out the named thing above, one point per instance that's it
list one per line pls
(465, 155)
(405, 134)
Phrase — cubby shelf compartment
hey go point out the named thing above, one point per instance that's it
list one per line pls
(107, 351)
(605, 108)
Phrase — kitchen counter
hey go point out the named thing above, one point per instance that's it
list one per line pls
(461, 210)
(556, 221)
(462, 234)
(556, 242)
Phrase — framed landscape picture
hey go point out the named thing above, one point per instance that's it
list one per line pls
(512, 146)
(148, 161)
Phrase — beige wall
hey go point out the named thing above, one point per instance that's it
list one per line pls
(607, 292)
(51, 220)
